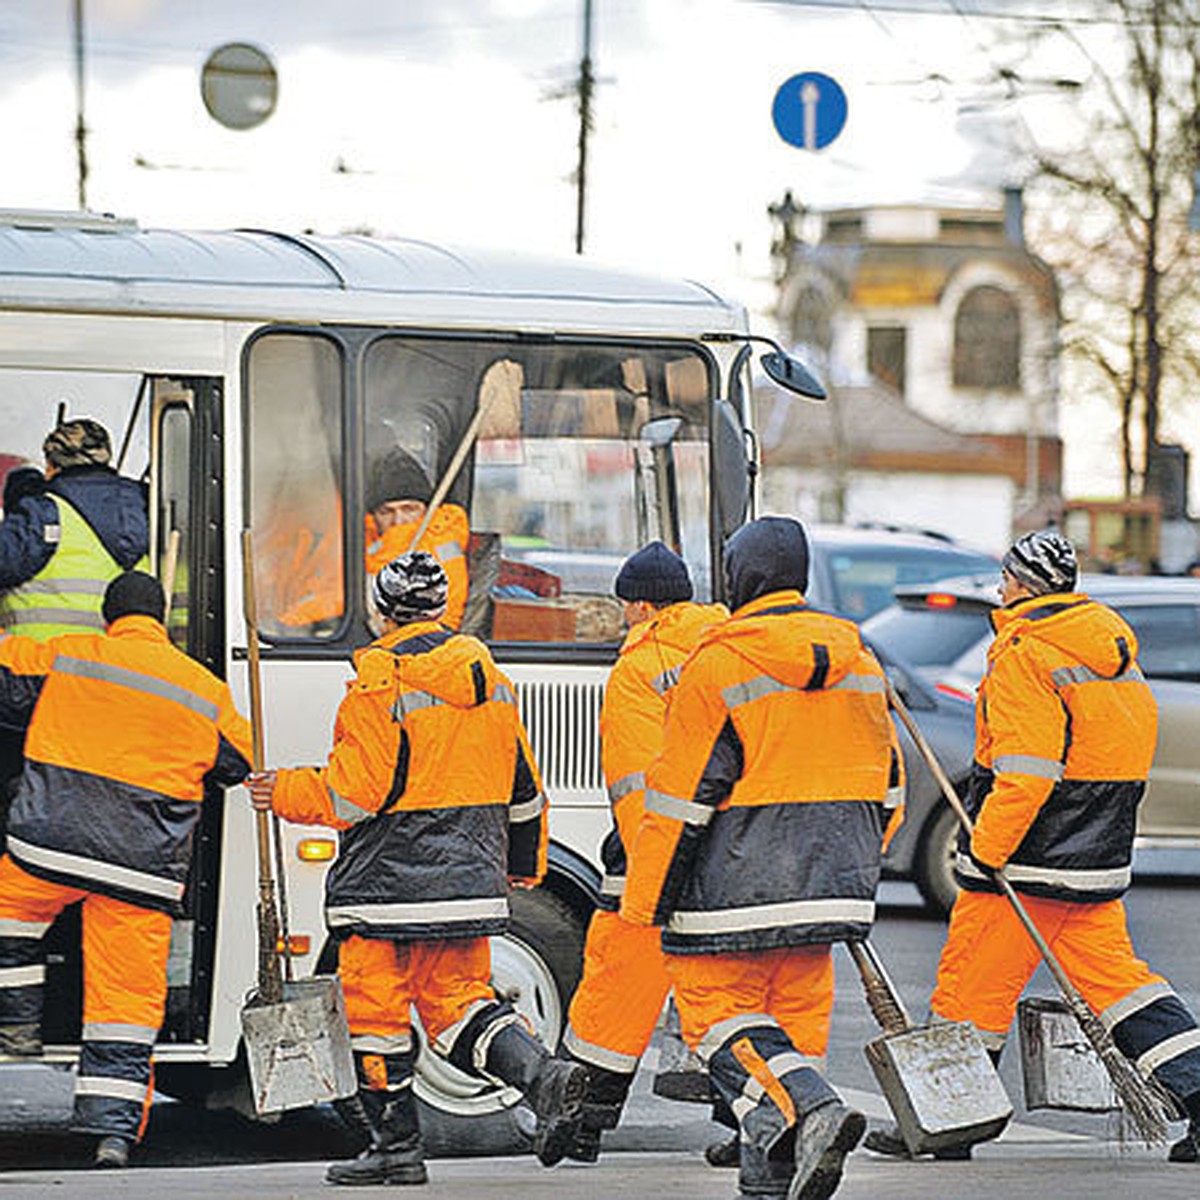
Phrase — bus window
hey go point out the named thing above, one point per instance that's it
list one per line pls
(294, 403)
(173, 494)
(558, 483)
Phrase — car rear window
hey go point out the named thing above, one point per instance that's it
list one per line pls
(864, 578)
(1168, 638)
(927, 637)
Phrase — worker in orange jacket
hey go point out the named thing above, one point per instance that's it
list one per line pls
(432, 782)
(124, 734)
(305, 588)
(1064, 736)
(760, 846)
(624, 984)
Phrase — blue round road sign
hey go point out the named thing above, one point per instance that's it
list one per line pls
(809, 110)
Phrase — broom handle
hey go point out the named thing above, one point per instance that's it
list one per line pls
(270, 980)
(882, 998)
(451, 472)
(1069, 990)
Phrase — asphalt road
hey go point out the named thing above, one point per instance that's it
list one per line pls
(658, 1150)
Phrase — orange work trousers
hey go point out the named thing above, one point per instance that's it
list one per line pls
(792, 984)
(441, 979)
(125, 947)
(621, 995)
(989, 958)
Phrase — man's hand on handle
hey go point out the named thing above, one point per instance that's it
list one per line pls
(261, 785)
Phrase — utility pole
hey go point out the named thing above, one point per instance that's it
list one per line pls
(586, 82)
(80, 124)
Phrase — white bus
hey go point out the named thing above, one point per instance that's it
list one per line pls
(251, 379)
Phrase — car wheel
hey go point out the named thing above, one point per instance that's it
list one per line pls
(933, 865)
(537, 964)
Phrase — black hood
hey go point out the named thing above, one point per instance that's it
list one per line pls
(767, 555)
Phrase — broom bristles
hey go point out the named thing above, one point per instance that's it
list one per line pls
(1146, 1103)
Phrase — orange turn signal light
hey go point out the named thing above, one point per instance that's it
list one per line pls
(940, 600)
(300, 943)
(316, 849)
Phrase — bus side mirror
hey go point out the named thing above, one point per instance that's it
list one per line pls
(791, 373)
(731, 468)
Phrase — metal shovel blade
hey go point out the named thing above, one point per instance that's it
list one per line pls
(941, 1086)
(1059, 1066)
(298, 1051)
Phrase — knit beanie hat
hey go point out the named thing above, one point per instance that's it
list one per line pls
(133, 592)
(396, 476)
(655, 573)
(1043, 562)
(412, 587)
(79, 443)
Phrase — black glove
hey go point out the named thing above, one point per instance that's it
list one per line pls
(22, 482)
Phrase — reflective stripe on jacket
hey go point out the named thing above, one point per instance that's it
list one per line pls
(1065, 729)
(631, 722)
(765, 809)
(124, 731)
(66, 594)
(446, 539)
(432, 782)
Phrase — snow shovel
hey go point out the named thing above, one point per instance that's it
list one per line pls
(938, 1079)
(295, 1032)
(1149, 1107)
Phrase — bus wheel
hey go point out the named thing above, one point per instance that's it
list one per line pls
(537, 964)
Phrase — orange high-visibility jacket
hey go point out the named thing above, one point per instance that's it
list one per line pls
(765, 810)
(432, 782)
(1065, 728)
(124, 732)
(631, 722)
(446, 539)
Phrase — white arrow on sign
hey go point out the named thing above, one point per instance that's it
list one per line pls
(810, 94)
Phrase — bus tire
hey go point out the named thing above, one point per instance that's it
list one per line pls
(538, 964)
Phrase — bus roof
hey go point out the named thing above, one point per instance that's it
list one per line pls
(93, 263)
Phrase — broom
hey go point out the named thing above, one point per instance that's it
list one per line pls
(1149, 1107)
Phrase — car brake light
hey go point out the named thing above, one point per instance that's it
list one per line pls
(940, 600)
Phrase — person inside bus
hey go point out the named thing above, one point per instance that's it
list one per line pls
(124, 734)
(396, 498)
(64, 535)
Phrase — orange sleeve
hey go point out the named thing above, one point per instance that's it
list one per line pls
(1027, 725)
(355, 782)
(673, 821)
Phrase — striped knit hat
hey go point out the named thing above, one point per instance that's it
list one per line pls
(412, 587)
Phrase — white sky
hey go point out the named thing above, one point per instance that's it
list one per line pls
(442, 111)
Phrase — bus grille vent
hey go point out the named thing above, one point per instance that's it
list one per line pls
(563, 720)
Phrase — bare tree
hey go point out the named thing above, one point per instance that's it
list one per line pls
(1113, 214)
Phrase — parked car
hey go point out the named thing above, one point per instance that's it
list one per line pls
(855, 569)
(943, 630)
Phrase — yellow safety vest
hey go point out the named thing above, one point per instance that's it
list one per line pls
(66, 595)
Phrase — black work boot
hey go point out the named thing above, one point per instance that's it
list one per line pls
(111, 1152)
(395, 1156)
(603, 1103)
(889, 1141)
(360, 1115)
(759, 1174)
(22, 1041)
(554, 1089)
(1187, 1149)
(723, 1154)
(823, 1140)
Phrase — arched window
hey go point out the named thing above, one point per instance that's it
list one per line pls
(987, 340)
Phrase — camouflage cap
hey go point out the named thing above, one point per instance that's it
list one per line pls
(78, 443)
